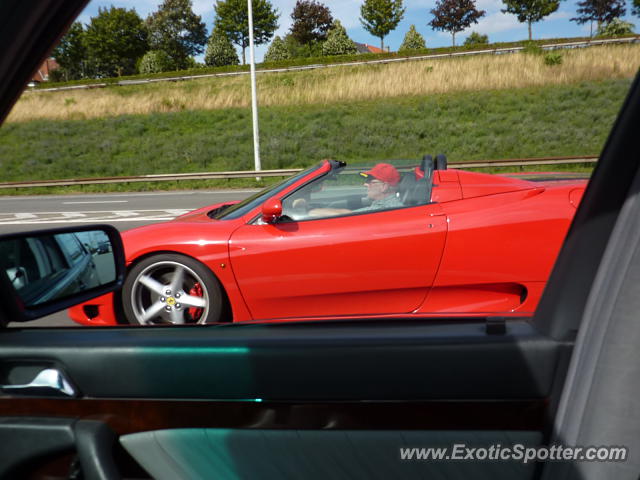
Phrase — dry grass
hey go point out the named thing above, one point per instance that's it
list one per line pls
(338, 84)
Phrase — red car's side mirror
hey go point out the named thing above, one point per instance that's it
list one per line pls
(271, 210)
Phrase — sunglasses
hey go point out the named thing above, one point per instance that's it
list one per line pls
(372, 180)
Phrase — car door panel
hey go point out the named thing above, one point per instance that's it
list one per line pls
(370, 263)
(264, 361)
(362, 377)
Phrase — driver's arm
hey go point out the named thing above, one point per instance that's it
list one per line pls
(328, 212)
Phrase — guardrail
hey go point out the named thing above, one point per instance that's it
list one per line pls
(517, 162)
(151, 178)
(495, 51)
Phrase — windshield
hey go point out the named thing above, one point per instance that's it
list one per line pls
(248, 204)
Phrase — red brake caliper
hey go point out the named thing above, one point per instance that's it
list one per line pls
(195, 312)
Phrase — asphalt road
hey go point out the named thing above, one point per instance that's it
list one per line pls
(123, 211)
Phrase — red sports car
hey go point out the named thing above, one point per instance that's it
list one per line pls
(339, 241)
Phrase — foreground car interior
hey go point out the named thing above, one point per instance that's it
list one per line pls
(332, 399)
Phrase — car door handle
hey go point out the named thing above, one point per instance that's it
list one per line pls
(50, 381)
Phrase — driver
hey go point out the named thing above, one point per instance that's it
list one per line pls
(382, 187)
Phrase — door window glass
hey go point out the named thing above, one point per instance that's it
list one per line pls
(357, 189)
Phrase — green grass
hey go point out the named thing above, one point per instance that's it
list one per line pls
(533, 122)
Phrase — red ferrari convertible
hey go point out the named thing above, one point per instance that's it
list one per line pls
(343, 241)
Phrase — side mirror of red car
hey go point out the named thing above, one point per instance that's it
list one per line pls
(271, 210)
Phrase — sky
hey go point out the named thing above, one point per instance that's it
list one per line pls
(498, 26)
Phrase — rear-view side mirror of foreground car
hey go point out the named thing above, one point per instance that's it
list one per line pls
(46, 271)
(271, 210)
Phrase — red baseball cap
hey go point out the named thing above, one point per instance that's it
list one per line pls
(384, 172)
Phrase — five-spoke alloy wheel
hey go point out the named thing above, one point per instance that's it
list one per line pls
(171, 288)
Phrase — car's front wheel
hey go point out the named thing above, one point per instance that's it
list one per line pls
(171, 288)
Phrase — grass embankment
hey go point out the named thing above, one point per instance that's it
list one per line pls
(500, 120)
(336, 85)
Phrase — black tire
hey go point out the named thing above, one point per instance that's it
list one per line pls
(164, 289)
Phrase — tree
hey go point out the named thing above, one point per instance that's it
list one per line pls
(115, 39)
(530, 11)
(338, 42)
(297, 49)
(232, 17)
(156, 61)
(178, 31)
(454, 16)
(311, 22)
(614, 28)
(599, 11)
(71, 53)
(636, 7)
(379, 17)
(476, 39)
(412, 40)
(220, 51)
(277, 51)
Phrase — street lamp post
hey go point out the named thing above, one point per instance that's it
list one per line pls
(254, 96)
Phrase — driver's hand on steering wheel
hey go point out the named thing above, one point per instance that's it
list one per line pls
(299, 204)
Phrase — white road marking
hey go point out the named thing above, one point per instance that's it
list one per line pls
(72, 214)
(23, 218)
(94, 220)
(96, 201)
(125, 213)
